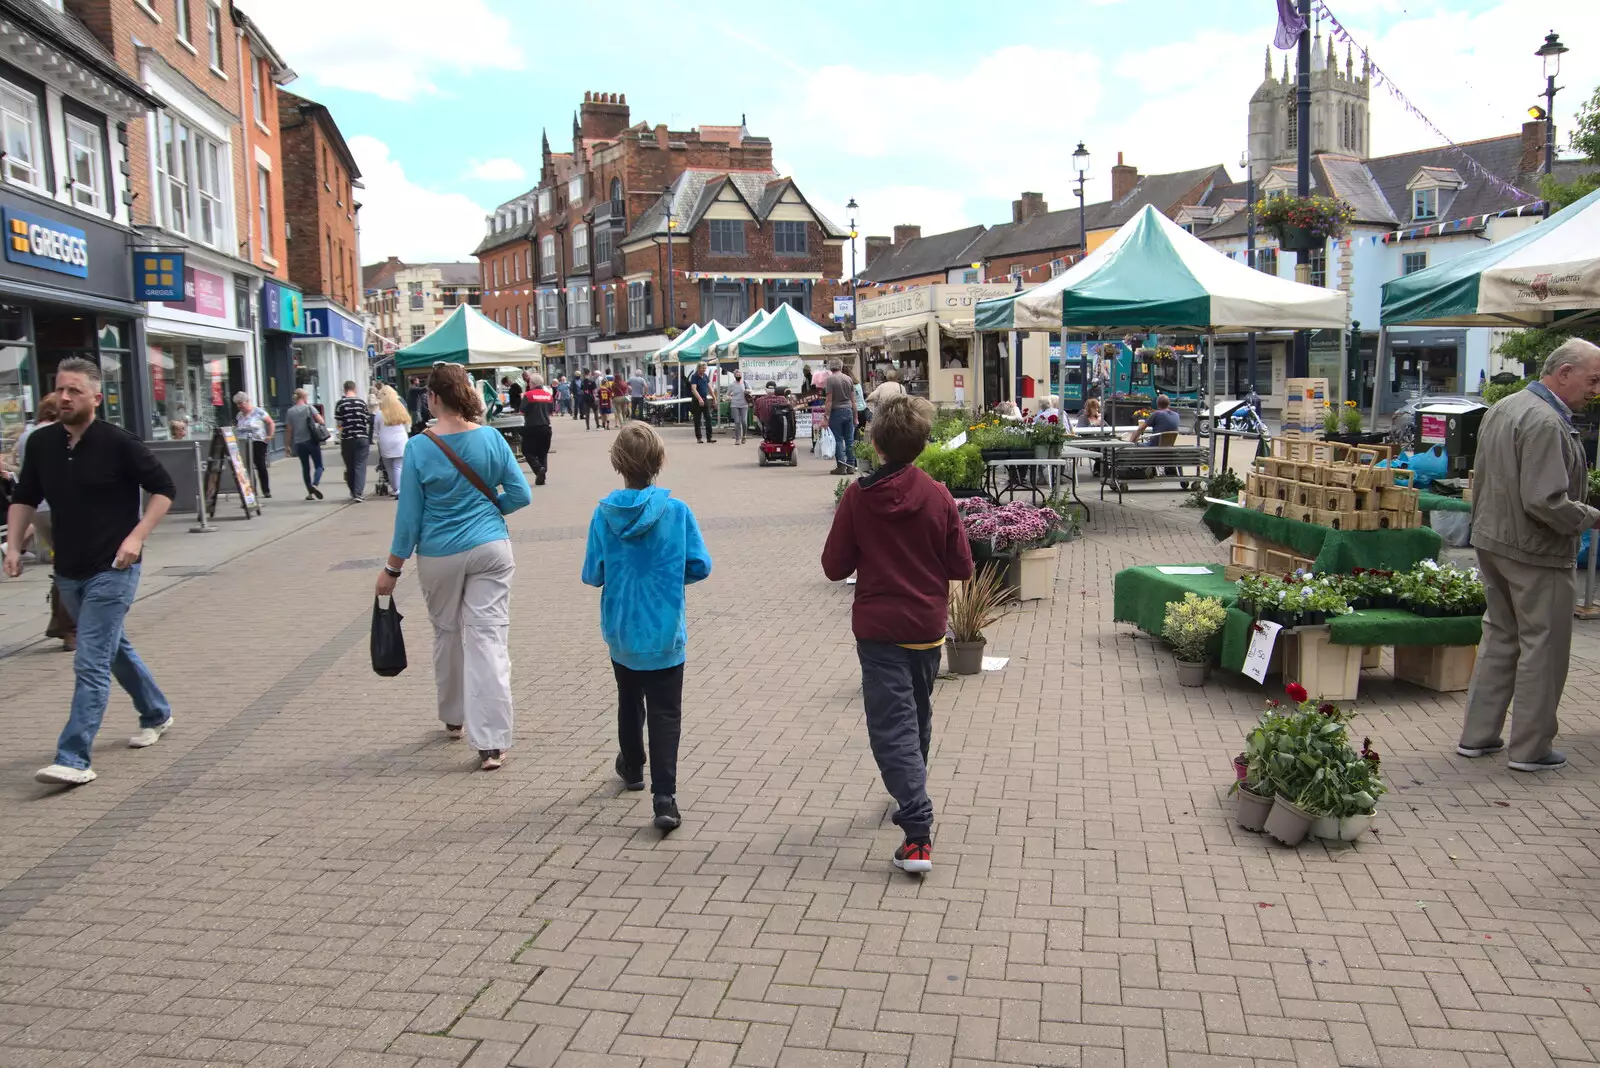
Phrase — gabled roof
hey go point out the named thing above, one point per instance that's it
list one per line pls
(924, 255)
(520, 232)
(1500, 156)
(320, 114)
(1164, 192)
(694, 191)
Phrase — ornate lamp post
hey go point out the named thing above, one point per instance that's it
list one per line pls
(850, 327)
(1080, 163)
(672, 224)
(1550, 52)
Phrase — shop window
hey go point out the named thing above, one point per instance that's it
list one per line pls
(1412, 262)
(87, 162)
(19, 398)
(724, 302)
(727, 236)
(24, 136)
(580, 246)
(789, 238)
(795, 294)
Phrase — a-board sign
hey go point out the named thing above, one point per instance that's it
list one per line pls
(225, 455)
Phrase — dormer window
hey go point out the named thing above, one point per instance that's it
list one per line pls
(1424, 204)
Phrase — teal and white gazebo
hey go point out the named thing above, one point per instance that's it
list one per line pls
(667, 352)
(753, 322)
(1153, 275)
(785, 333)
(699, 348)
(472, 339)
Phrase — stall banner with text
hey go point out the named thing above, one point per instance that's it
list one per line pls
(784, 370)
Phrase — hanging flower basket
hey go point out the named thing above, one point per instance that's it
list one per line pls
(1303, 223)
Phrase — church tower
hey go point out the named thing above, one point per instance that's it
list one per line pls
(1340, 120)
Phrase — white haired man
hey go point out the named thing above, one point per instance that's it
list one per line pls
(1530, 483)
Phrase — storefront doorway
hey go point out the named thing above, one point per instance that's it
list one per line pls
(33, 342)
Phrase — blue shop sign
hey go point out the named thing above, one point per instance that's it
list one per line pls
(325, 322)
(158, 276)
(282, 308)
(45, 243)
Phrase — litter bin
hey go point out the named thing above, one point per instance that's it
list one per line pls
(1453, 424)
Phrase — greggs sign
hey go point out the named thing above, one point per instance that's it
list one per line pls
(45, 243)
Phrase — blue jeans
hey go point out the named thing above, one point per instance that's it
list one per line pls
(843, 424)
(310, 452)
(100, 603)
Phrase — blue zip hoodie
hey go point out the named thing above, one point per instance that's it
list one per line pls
(644, 547)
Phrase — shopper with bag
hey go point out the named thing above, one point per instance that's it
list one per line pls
(459, 481)
(307, 431)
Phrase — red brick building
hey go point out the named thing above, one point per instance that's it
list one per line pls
(581, 261)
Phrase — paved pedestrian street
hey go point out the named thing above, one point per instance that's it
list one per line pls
(305, 872)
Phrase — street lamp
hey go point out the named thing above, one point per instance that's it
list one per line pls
(851, 208)
(1080, 163)
(1550, 53)
(672, 224)
(1248, 165)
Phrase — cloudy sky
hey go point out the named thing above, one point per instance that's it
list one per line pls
(936, 112)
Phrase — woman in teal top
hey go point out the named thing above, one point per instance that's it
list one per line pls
(457, 531)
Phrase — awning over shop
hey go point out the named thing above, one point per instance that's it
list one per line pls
(1152, 275)
(470, 338)
(1546, 275)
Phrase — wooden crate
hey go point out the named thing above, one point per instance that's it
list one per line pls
(1446, 668)
(1328, 672)
(1284, 561)
(1337, 520)
(1335, 499)
(1371, 657)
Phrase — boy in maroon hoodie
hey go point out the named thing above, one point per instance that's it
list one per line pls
(898, 531)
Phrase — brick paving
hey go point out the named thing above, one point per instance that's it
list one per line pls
(304, 872)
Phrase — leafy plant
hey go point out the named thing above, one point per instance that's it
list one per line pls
(1049, 433)
(838, 490)
(1191, 624)
(865, 454)
(1585, 140)
(1350, 418)
(1530, 347)
(1441, 589)
(976, 603)
(1330, 419)
(1000, 436)
(960, 468)
(1069, 514)
(1494, 392)
(1223, 486)
(1303, 752)
(1324, 216)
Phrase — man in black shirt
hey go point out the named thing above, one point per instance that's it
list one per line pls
(355, 439)
(91, 473)
(538, 405)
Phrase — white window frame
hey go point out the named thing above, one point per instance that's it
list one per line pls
(575, 189)
(84, 136)
(580, 246)
(496, 269)
(22, 106)
(174, 188)
(181, 17)
(638, 306)
(547, 256)
(210, 204)
(544, 202)
(214, 54)
(264, 208)
(580, 308)
(255, 87)
(549, 311)
(528, 263)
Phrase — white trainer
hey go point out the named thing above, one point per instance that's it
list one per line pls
(61, 775)
(149, 735)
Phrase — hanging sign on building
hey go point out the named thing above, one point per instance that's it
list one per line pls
(158, 276)
(282, 308)
(844, 307)
(325, 322)
(44, 243)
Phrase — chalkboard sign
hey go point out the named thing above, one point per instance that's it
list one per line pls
(225, 457)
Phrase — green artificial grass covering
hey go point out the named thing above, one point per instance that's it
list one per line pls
(1140, 596)
(1336, 551)
(1438, 502)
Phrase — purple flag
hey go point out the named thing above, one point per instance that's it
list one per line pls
(1290, 25)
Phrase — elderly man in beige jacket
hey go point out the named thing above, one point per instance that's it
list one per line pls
(1530, 487)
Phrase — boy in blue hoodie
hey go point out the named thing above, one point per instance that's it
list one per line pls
(644, 548)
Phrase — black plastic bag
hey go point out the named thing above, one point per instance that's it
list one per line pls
(388, 644)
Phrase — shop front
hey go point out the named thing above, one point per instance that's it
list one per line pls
(331, 352)
(199, 351)
(283, 319)
(66, 290)
(625, 355)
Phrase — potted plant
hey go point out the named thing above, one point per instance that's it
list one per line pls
(1024, 534)
(866, 456)
(1300, 752)
(1189, 627)
(1303, 224)
(1047, 436)
(1350, 418)
(1255, 790)
(960, 469)
(974, 604)
(1346, 798)
(1330, 420)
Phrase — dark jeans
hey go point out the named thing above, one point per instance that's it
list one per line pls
(656, 698)
(842, 421)
(355, 452)
(536, 449)
(310, 452)
(258, 454)
(636, 408)
(897, 690)
(704, 414)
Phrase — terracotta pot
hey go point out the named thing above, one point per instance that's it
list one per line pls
(1253, 808)
(1192, 673)
(1287, 822)
(966, 658)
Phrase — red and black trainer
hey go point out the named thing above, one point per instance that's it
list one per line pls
(914, 857)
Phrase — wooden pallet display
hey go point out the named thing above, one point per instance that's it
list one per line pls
(1252, 553)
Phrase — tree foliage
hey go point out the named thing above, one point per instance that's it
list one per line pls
(1586, 142)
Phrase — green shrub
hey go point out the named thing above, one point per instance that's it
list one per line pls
(957, 468)
(1493, 392)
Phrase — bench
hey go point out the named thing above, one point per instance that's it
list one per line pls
(1146, 466)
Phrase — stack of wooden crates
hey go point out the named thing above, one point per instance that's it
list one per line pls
(1332, 485)
(1305, 400)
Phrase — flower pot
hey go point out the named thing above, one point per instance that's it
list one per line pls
(1240, 768)
(1043, 452)
(1287, 822)
(1342, 828)
(1325, 827)
(1253, 808)
(1298, 239)
(1192, 672)
(1033, 573)
(966, 658)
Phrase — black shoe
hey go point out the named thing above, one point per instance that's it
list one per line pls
(667, 818)
(316, 493)
(632, 778)
(538, 480)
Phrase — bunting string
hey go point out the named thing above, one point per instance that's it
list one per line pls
(1381, 78)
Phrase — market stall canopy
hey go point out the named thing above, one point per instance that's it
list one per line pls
(754, 322)
(711, 335)
(1547, 274)
(1153, 275)
(470, 338)
(667, 352)
(785, 333)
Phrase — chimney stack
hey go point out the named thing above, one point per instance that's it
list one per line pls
(1030, 205)
(877, 246)
(904, 234)
(1532, 161)
(1123, 179)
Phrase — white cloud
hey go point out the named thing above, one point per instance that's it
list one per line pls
(401, 218)
(498, 169)
(395, 49)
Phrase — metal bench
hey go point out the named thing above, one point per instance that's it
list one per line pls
(1151, 467)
